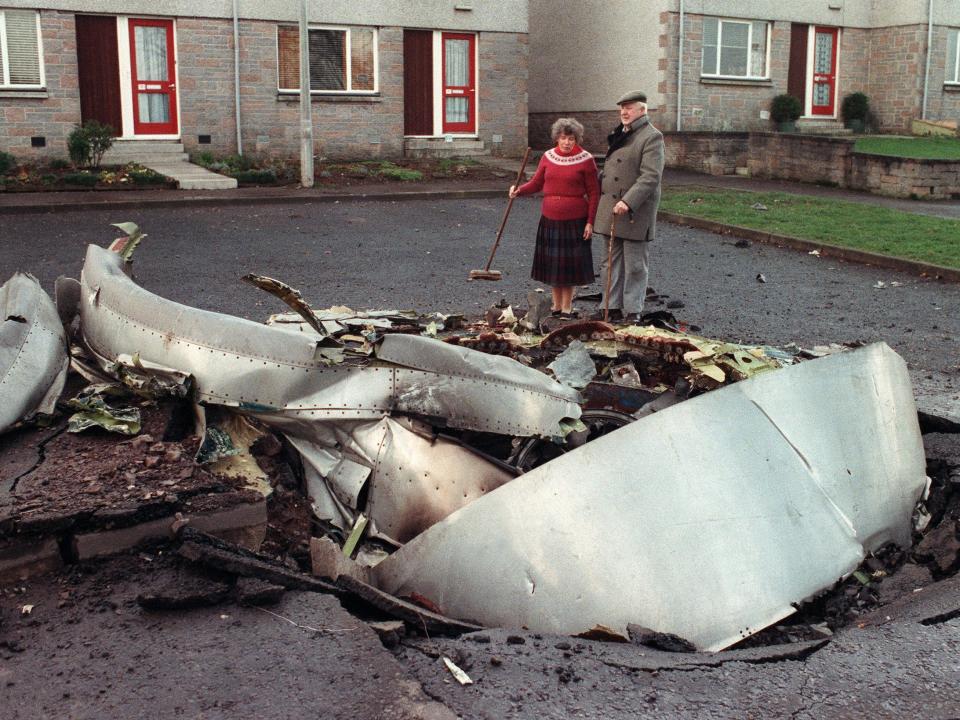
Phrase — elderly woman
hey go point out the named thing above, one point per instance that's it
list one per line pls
(567, 175)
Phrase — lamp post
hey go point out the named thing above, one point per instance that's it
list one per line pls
(306, 116)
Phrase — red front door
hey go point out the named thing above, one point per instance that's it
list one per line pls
(459, 83)
(824, 71)
(154, 77)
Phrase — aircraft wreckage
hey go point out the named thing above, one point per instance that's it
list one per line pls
(710, 518)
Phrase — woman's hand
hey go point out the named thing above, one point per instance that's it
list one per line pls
(513, 191)
(587, 231)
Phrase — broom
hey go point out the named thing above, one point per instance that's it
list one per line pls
(487, 273)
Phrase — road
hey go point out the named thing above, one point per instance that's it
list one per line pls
(417, 254)
(87, 650)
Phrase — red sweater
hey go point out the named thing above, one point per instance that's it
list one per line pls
(569, 183)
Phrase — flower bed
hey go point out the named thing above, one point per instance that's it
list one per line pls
(59, 175)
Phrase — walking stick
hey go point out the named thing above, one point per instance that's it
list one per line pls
(606, 295)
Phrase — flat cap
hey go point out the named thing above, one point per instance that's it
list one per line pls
(635, 96)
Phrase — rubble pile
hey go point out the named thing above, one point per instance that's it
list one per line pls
(458, 473)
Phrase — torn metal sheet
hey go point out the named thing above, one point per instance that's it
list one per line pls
(93, 411)
(277, 373)
(33, 351)
(684, 521)
(411, 480)
(470, 389)
(574, 367)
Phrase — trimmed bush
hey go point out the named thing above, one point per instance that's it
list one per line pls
(59, 164)
(785, 108)
(855, 109)
(7, 162)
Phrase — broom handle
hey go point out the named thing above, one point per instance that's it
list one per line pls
(503, 223)
(606, 295)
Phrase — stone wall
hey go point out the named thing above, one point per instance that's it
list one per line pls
(707, 152)
(897, 65)
(906, 177)
(502, 76)
(943, 101)
(813, 159)
(205, 74)
(804, 158)
(717, 104)
(344, 127)
(51, 114)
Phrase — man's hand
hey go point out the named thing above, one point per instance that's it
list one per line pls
(621, 208)
(588, 231)
(513, 191)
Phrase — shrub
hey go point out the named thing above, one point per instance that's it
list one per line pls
(7, 162)
(59, 164)
(855, 107)
(81, 178)
(256, 177)
(785, 108)
(88, 142)
(205, 158)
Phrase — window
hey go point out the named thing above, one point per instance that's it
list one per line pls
(735, 48)
(20, 65)
(953, 57)
(342, 60)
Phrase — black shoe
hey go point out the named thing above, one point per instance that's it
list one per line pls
(572, 315)
(556, 313)
(615, 315)
(632, 318)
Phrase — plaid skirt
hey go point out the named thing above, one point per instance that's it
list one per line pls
(562, 257)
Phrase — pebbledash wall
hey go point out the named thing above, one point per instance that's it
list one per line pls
(345, 127)
(812, 158)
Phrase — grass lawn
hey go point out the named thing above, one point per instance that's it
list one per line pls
(855, 225)
(933, 148)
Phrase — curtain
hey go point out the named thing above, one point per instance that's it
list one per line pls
(151, 48)
(457, 62)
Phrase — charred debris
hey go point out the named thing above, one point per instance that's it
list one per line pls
(456, 473)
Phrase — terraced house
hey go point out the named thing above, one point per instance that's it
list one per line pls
(386, 78)
(716, 64)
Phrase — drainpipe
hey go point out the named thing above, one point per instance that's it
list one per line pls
(926, 72)
(680, 73)
(306, 118)
(236, 70)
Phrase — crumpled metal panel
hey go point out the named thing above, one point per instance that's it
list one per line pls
(474, 389)
(418, 480)
(267, 369)
(707, 519)
(33, 351)
(412, 479)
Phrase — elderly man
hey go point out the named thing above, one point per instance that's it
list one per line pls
(629, 195)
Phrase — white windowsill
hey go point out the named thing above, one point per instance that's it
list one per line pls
(25, 93)
(288, 96)
(734, 80)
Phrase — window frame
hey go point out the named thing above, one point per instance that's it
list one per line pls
(740, 21)
(348, 53)
(5, 83)
(955, 60)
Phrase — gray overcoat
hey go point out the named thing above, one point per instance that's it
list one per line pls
(632, 173)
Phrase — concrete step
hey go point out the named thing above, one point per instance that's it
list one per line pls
(192, 177)
(822, 127)
(441, 147)
(127, 151)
